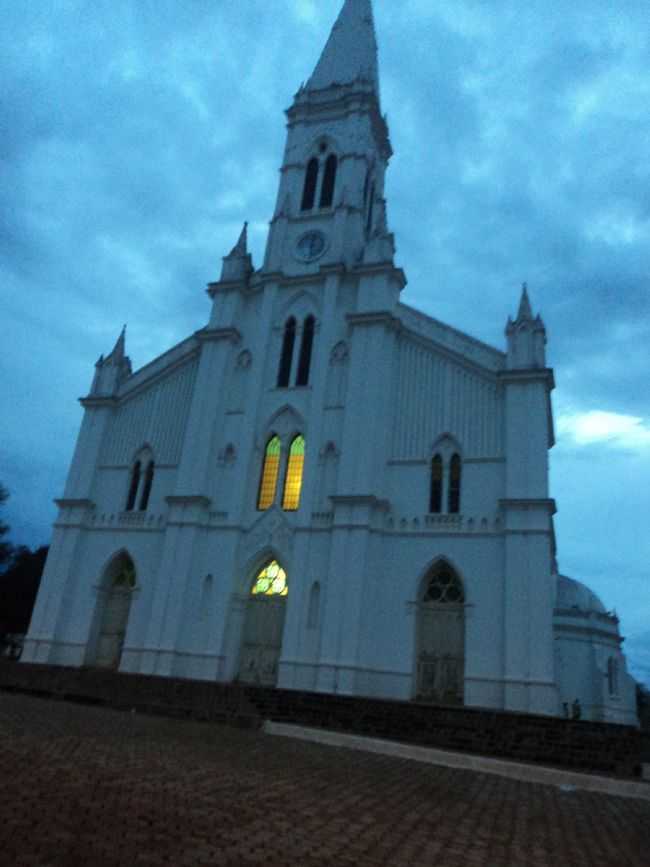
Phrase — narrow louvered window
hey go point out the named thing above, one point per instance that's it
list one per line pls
(133, 489)
(309, 190)
(304, 362)
(270, 471)
(284, 371)
(293, 478)
(454, 485)
(329, 180)
(435, 503)
(146, 491)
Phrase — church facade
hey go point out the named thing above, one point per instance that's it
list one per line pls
(324, 488)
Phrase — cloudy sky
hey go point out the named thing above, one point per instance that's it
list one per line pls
(137, 135)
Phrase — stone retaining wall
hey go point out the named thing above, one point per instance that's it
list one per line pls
(584, 746)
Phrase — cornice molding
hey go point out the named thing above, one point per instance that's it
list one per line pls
(531, 374)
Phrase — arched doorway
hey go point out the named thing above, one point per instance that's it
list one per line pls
(440, 652)
(263, 626)
(119, 583)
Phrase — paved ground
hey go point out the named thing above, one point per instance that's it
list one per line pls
(87, 787)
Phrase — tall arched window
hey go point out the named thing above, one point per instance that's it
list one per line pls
(146, 490)
(133, 487)
(270, 471)
(293, 478)
(304, 362)
(435, 503)
(284, 370)
(329, 180)
(454, 485)
(309, 190)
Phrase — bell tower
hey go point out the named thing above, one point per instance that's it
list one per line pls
(330, 207)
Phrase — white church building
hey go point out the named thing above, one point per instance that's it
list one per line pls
(324, 488)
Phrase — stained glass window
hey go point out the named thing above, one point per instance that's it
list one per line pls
(293, 479)
(454, 485)
(270, 470)
(435, 504)
(444, 586)
(271, 581)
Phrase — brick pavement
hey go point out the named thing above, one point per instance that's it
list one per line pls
(86, 786)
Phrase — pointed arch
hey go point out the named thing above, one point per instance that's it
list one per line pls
(117, 583)
(440, 642)
(288, 341)
(329, 181)
(293, 477)
(309, 189)
(307, 342)
(270, 472)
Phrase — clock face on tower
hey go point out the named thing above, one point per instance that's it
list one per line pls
(310, 246)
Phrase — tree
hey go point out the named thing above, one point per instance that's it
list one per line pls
(5, 547)
(18, 588)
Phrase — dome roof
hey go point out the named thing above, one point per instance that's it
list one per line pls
(573, 594)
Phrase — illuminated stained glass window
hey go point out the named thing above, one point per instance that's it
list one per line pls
(270, 470)
(293, 479)
(271, 581)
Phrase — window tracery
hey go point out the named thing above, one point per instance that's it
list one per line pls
(270, 581)
(444, 586)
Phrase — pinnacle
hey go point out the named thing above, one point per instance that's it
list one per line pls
(241, 247)
(351, 50)
(119, 350)
(525, 310)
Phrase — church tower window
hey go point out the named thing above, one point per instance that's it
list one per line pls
(133, 488)
(304, 362)
(146, 491)
(293, 478)
(454, 485)
(371, 205)
(435, 504)
(309, 190)
(270, 472)
(329, 180)
(284, 371)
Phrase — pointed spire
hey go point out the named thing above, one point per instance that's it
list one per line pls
(525, 310)
(351, 50)
(241, 247)
(119, 350)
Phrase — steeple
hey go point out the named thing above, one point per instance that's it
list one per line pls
(238, 264)
(350, 53)
(330, 209)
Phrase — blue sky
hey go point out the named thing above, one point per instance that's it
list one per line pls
(137, 135)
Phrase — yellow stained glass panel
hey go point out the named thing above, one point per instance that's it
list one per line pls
(293, 480)
(271, 581)
(270, 473)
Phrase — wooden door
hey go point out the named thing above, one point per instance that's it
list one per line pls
(262, 640)
(441, 654)
(113, 628)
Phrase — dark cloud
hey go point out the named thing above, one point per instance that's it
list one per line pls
(135, 137)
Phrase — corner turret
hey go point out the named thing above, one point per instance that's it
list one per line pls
(526, 337)
(110, 372)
